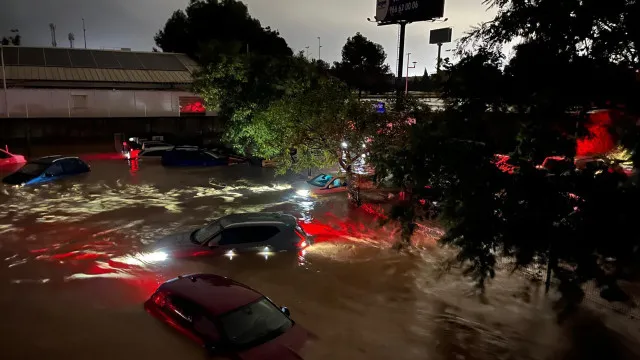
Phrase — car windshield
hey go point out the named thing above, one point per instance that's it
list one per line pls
(203, 234)
(255, 323)
(213, 155)
(320, 180)
(33, 169)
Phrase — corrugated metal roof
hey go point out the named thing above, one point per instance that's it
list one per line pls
(42, 73)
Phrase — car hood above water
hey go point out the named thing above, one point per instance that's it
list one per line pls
(177, 245)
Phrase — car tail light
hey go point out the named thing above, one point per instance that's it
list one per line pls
(159, 299)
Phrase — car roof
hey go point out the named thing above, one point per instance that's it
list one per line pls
(216, 294)
(47, 160)
(258, 217)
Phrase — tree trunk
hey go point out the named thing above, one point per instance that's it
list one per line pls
(551, 264)
(353, 188)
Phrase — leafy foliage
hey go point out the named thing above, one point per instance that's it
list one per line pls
(209, 29)
(315, 122)
(15, 40)
(363, 65)
(575, 222)
(242, 86)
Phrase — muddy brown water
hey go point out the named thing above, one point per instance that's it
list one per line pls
(72, 282)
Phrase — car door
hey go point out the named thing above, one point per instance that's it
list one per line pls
(246, 238)
(336, 185)
(53, 172)
(73, 166)
(180, 313)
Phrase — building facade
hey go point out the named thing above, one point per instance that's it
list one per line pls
(53, 94)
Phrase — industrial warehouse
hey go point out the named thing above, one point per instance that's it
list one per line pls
(50, 95)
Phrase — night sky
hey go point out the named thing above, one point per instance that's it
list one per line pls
(132, 24)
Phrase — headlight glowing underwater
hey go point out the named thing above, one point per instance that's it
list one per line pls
(153, 257)
(303, 193)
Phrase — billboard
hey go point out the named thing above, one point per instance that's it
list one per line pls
(394, 11)
(192, 105)
(440, 36)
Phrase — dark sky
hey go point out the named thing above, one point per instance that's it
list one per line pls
(132, 24)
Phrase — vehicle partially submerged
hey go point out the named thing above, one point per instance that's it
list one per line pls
(47, 169)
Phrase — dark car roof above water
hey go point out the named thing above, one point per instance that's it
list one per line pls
(242, 218)
(47, 160)
(216, 294)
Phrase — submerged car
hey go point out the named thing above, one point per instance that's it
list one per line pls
(328, 184)
(153, 152)
(227, 318)
(9, 159)
(231, 235)
(182, 156)
(47, 169)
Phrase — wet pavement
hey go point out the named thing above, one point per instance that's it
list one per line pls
(74, 276)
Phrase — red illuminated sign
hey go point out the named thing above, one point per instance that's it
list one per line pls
(192, 105)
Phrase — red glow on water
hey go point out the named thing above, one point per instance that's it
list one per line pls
(38, 251)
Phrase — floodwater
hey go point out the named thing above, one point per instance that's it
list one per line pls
(72, 282)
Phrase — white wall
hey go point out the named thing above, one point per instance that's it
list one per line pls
(46, 103)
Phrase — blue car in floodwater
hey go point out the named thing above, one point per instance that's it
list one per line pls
(182, 156)
(47, 169)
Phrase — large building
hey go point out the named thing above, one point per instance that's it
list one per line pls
(59, 93)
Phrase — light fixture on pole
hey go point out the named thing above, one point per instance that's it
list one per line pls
(406, 85)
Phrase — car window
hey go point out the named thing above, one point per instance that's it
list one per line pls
(203, 234)
(73, 166)
(4, 155)
(247, 235)
(254, 323)
(152, 153)
(320, 180)
(205, 327)
(33, 169)
(337, 183)
(182, 308)
(55, 169)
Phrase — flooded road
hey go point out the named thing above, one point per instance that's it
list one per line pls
(72, 278)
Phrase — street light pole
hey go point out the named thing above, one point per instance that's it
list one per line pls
(439, 58)
(4, 83)
(319, 47)
(406, 85)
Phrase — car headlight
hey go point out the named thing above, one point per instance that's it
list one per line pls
(158, 256)
(303, 193)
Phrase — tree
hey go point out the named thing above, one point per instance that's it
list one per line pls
(241, 86)
(363, 65)
(325, 124)
(572, 57)
(15, 40)
(209, 29)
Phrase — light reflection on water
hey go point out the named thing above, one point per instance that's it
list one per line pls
(76, 270)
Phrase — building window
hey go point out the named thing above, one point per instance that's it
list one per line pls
(79, 101)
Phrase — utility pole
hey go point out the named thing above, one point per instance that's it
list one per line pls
(439, 58)
(406, 86)
(84, 33)
(403, 31)
(319, 47)
(4, 83)
(306, 47)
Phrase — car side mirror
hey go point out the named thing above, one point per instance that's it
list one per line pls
(285, 310)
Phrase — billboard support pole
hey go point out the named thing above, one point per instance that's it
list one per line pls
(403, 31)
(439, 58)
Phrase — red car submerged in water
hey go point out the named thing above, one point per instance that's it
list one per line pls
(229, 319)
